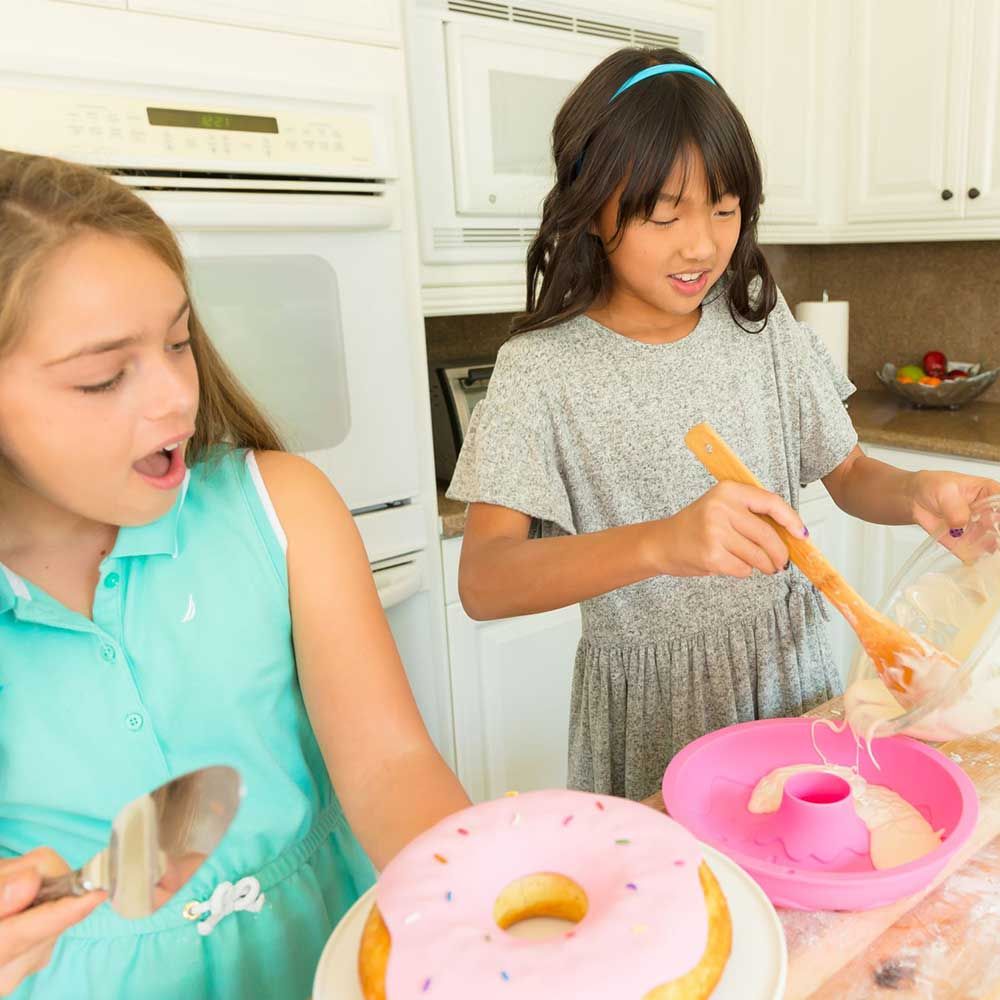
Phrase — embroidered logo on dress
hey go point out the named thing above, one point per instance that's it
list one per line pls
(191, 610)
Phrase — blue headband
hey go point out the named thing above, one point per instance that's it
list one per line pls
(645, 74)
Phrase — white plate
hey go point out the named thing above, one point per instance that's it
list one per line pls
(756, 969)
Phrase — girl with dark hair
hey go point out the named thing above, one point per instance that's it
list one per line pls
(651, 308)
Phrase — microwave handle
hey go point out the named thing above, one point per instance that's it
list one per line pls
(230, 211)
(397, 584)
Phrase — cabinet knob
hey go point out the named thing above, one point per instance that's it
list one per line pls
(973, 192)
(946, 195)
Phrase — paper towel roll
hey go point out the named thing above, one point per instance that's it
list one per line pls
(829, 320)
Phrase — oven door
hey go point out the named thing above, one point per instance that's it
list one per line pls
(304, 297)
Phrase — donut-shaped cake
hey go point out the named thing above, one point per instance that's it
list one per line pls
(651, 920)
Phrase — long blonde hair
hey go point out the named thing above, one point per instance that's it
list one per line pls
(44, 202)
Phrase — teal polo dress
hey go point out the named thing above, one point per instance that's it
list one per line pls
(188, 661)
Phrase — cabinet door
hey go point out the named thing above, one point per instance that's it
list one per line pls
(773, 56)
(373, 21)
(511, 684)
(982, 191)
(908, 78)
(838, 537)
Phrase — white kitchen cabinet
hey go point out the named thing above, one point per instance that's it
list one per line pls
(839, 537)
(982, 175)
(376, 21)
(771, 57)
(511, 682)
(908, 79)
(875, 120)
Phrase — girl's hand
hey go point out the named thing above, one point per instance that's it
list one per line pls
(945, 499)
(27, 937)
(720, 534)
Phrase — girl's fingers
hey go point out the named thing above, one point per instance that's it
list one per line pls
(18, 889)
(762, 535)
(748, 555)
(953, 508)
(24, 931)
(761, 502)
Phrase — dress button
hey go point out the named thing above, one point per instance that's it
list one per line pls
(108, 653)
(111, 580)
(133, 721)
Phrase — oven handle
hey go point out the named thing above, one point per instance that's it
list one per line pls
(397, 584)
(215, 211)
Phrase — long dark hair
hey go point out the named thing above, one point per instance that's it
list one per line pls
(638, 138)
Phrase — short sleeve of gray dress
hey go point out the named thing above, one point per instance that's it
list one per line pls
(509, 453)
(826, 434)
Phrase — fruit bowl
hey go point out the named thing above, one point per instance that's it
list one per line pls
(949, 394)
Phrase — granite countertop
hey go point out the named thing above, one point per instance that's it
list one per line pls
(452, 514)
(880, 418)
(971, 432)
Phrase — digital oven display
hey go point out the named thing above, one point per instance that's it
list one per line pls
(183, 118)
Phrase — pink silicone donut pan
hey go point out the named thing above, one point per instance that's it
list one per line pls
(708, 784)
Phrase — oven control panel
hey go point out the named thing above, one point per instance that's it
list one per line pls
(213, 134)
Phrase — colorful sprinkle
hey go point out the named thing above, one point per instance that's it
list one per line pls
(631, 885)
(511, 794)
(623, 840)
(449, 896)
(443, 860)
(463, 831)
(487, 938)
(567, 821)
(600, 805)
(639, 928)
(412, 918)
(504, 976)
(679, 863)
(516, 820)
(426, 985)
(570, 934)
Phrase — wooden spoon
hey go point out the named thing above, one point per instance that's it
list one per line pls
(889, 646)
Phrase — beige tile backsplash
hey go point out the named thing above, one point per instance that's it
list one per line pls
(906, 298)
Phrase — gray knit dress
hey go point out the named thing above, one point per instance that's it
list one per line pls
(583, 429)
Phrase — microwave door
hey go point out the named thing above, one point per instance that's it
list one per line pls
(505, 86)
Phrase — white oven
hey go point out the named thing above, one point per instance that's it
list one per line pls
(291, 231)
(278, 163)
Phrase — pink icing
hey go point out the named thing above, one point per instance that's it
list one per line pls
(646, 921)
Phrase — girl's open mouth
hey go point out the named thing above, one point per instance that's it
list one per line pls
(689, 284)
(164, 469)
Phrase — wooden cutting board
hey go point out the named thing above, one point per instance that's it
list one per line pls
(943, 943)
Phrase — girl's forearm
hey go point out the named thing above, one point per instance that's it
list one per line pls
(504, 577)
(875, 492)
(407, 795)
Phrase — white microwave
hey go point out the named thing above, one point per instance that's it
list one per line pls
(486, 81)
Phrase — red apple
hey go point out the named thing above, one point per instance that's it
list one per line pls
(957, 373)
(935, 363)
